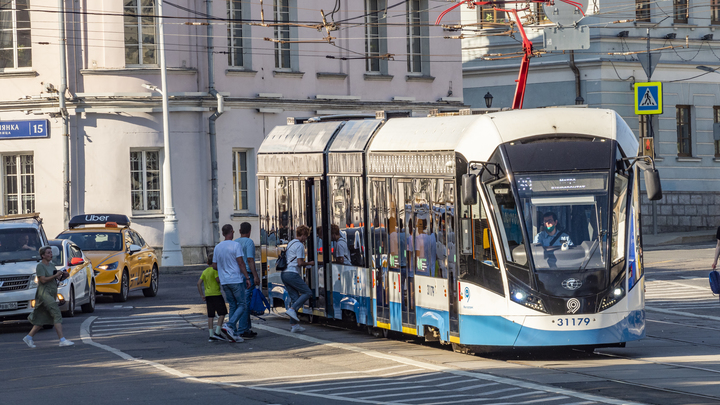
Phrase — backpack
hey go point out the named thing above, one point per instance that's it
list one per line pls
(281, 262)
(715, 281)
(258, 303)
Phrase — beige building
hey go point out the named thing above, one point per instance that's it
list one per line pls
(259, 65)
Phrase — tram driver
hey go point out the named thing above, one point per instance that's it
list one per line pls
(551, 235)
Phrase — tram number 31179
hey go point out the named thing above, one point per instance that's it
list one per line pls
(573, 321)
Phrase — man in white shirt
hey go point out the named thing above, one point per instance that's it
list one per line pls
(228, 261)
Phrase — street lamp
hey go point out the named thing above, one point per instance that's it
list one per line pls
(708, 69)
(171, 254)
(488, 100)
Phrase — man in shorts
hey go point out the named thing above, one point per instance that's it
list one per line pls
(213, 300)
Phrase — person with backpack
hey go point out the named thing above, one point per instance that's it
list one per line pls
(228, 261)
(248, 248)
(297, 289)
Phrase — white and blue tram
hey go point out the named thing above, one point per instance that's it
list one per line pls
(445, 219)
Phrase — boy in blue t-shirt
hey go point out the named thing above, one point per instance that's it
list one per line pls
(213, 299)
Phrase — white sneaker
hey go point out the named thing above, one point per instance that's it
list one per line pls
(28, 340)
(66, 342)
(292, 314)
(297, 329)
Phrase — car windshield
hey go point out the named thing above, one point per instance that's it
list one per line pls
(565, 215)
(95, 241)
(19, 244)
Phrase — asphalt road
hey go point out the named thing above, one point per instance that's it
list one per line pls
(152, 350)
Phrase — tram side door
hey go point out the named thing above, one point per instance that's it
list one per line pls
(406, 219)
(311, 197)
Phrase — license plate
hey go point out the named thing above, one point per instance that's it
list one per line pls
(8, 306)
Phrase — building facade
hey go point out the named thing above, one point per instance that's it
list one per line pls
(686, 136)
(235, 70)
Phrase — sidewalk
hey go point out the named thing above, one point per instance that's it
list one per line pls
(678, 238)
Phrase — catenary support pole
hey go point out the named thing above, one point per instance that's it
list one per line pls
(212, 130)
(172, 253)
(62, 41)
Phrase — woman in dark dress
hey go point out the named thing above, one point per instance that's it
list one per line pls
(46, 310)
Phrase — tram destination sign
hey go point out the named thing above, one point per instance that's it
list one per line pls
(528, 185)
(23, 129)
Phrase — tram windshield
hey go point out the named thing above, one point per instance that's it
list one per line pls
(566, 217)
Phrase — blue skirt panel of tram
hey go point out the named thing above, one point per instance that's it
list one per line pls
(352, 291)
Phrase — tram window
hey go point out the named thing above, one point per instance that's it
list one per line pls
(478, 261)
(425, 243)
(511, 234)
(396, 237)
(378, 214)
(566, 218)
(440, 225)
(348, 215)
(618, 217)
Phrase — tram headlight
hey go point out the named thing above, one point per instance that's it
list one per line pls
(521, 296)
(614, 295)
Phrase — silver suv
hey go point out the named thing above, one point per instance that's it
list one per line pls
(20, 238)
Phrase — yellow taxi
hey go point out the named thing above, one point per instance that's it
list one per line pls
(121, 259)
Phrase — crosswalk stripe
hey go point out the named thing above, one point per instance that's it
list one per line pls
(141, 331)
(144, 327)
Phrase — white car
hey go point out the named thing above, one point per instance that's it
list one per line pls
(79, 288)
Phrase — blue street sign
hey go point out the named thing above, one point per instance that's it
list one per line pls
(648, 98)
(23, 129)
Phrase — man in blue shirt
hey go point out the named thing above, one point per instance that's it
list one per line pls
(550, 234)
(248, 248)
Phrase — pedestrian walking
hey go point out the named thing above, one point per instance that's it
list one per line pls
(297, 289)
(228, 261)
(717, 249)
(47, 311)
(213, 300)
(248, 248)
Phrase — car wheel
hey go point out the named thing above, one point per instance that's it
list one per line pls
(71, 304)
(153, 289)
(124, 288)
(90, 306)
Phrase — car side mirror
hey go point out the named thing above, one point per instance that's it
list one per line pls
(76, 261)
(135, 249)
(469, 189)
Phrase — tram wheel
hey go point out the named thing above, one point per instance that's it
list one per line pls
(458, 348)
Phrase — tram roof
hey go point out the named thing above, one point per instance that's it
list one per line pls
(304, 138)
(477, 136)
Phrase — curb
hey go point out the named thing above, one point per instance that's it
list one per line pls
(182, 269)
(683, 240)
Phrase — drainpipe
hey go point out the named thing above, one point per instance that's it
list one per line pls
(63, 112)
(211, 128)
(575, 70)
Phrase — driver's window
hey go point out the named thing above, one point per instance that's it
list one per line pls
(128, 240)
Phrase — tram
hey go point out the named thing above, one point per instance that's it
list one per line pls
(512, 229)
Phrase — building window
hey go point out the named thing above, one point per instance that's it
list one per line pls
(414, 36)
(281, 11)
(145, 179)
(140, 30)
(372, 35)
(489, 17)
(684, 132)
(716, 120)
(680, 11)
(715, 11)
(642, 10)
(15, 44)
(235, 34)
(240, 181)
(18, 174)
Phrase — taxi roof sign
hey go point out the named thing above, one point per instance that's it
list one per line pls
(98, 219)
(648, 98)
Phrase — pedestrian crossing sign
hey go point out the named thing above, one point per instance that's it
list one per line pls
(648, 98)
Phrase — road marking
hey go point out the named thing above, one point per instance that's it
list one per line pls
(681, 313)
(317, 375)
(515, 384)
